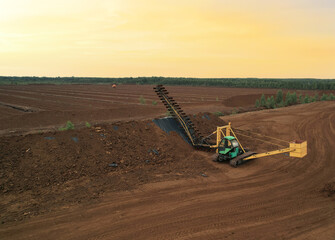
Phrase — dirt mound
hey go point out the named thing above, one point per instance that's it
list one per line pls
(206, 122)
(244, 100)
(41, 171)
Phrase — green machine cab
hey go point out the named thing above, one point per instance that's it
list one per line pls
(228, 149)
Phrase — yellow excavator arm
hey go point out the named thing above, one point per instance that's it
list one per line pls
(297, 149)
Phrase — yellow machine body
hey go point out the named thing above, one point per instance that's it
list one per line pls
(299, 149)
(222, 132)
(296, 148)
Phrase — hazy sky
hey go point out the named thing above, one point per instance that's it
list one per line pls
(184, 38)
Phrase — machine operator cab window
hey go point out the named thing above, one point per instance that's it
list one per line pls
(228, 143)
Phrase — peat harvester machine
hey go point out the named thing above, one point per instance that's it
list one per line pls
(227, 145)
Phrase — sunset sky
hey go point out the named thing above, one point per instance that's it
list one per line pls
(177, 38)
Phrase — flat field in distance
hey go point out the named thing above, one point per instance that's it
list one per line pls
(25, 108)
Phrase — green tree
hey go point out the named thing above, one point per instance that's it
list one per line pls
(324, 97)
(272, 103)
(288, 99)
(267, 103)
(257, 104)
(294, 98)
(281, 104)
(279, 96)
(306, 99)
(263, 101)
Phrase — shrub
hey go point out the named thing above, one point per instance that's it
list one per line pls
(306, 99)
(154, 103)
(294, 98)
(324, 97)
(279, 96)
(270, 102)
(218, 114)
(87, 124)
(281, 104)
(142, 100)
(234, 111)
(263, 101)
(331, 97)
(267, 105)
(288, 99)
(301, 98)
(257, 104)
(68, 126)
(316, 97)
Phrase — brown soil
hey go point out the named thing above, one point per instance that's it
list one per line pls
(42, 171)
(30, 108)
(244, 100)
(329, 189)
(63, 185)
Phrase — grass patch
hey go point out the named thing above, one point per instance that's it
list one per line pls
(218, 113)
(142, 100)
(234, 111)
(68, 126)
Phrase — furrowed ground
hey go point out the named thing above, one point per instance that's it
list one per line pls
(38, 107)
(125, 178)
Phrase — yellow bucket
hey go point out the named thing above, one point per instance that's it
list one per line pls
(300, 148)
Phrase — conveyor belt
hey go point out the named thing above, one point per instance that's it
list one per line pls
(185, 122)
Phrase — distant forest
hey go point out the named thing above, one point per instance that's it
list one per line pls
(289, 83)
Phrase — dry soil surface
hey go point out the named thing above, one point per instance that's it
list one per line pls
(269, 198)
(36, 108)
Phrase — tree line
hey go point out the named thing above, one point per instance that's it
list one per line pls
(289, 83)
(290, 99)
